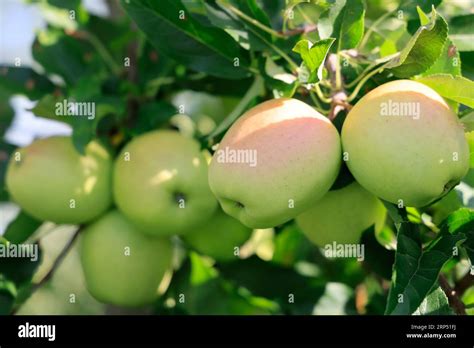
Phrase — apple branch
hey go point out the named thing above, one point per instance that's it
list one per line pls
(453, 297)
(59, 260)
(339, 95)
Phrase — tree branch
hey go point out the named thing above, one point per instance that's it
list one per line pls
(453, 297)
(464, 283)
(62, 255)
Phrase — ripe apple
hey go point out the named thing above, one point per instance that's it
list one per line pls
(275, 162)
(51, 181)
(121, 265)
(404, 144)
(218, 236)
(342, 215)
(160, 183)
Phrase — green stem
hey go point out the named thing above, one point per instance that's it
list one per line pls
(231, 8)
(318, 105)
(255, 89)
(361, 83)
(372, 29)
(109, 60)
(321, 96)
(338, 79)
(249, 19)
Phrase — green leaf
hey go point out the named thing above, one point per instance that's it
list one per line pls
(462, 221)
(177, 34)
(152, 116)
(468, 121)
(349, 25)
(20, 229)
(436, 303)
(424, 19)
(20, 270)
(210, 295)
(470, 140)
(326, 23)
(416, 269)
(5, 152)
(256, 89)
(422, 50)
(7, 296)
(19, 80)
(249, 37)
(449, 62)
(64, 55)
(313, 56)
(398, 215)
(461, 31)
(255, 275)
(291, 246)
(6, 111)
(377, 258)
(457, 88)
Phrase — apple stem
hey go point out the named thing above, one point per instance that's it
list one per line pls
(339, 95)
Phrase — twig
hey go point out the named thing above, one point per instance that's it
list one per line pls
(453, 297)
(304, 30)
(62, 255)
(464, 283)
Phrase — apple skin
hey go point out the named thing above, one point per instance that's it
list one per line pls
(342, 215)
(298, 158)
(51, 173)
(218, 237)
(163, 187)
(400, 157)
(122, 266)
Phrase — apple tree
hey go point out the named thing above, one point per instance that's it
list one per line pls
(244, 157)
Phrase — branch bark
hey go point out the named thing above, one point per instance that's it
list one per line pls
(453, 297)
(464, 283)
(62, 255)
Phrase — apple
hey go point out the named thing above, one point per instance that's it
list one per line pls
(404, 144)
(200, 104)
(122, 266)
(218, 237)
(275, 162)
(342, 215)
(160, 183)
(204, 109)
(51, 181)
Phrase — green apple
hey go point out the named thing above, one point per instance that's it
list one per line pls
(218, 237)
(275, 162)
(121, 265)
(342, 215)
(160, 183)
(199, 104)
(51, 181)
(206, 110)
(404, 144)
